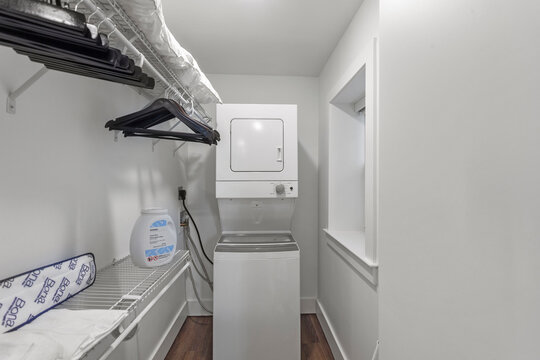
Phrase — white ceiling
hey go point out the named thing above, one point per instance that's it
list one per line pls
(263, 37)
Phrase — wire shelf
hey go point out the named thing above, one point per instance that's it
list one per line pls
(125, 35)
(122, 285)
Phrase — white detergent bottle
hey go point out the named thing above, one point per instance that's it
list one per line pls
(153, 239)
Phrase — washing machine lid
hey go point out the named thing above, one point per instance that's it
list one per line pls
(249, 242)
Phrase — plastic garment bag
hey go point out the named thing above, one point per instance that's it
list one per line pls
(148, 14)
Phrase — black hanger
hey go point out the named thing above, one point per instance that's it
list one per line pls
(56, 48)
(138, 78)
(45, 15)
(53, 2)
(167, 109)
(159, 111)
(100, 43)
(69, 62)
(60, 39)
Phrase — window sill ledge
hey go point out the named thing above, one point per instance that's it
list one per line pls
(350, 246)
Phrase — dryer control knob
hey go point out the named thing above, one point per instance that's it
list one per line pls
(280, 189)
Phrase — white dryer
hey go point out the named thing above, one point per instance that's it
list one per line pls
(257, 260)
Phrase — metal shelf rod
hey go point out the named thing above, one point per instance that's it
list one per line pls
(105, 19)
(138, 319)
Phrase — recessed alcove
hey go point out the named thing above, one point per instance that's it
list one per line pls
(347, 155)
(351, 230)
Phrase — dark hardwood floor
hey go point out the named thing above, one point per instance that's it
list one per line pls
(194, 341)
(314, 344)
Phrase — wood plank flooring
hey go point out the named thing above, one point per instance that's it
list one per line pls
(314, 344)
(194, 341)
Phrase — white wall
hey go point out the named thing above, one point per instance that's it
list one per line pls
(346, 164)
(201, 165)
(66, 187)
(459, 180)
(348, 299)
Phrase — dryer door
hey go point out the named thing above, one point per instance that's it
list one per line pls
(257, 145)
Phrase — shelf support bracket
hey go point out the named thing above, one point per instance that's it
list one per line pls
(178, 148)
(11, 103)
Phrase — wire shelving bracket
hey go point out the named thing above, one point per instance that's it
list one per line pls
(125, 34)
(123, 286)
(11, 101)
(110, 18)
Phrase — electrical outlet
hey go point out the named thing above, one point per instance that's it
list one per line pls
(181, 193)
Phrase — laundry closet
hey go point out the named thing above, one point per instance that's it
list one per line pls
(269, 179)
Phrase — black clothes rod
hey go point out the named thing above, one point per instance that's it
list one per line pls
(62, 40)
(159, 111)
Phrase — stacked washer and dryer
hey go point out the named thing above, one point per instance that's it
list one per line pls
(257, 260)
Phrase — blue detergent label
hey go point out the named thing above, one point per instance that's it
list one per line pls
(159, 223)
(158, 248)
(160, 251)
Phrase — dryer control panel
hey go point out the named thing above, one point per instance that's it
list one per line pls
(284, 189)
(256, 189)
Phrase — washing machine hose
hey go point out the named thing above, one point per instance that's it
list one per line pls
(191, 247)
(198, 233)
(195, 291)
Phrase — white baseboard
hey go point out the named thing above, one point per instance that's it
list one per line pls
(195, 309)
(307, 306)
(168, 338)
(328, 329)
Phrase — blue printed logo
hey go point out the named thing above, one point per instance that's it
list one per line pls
(82, 274)
(60, 291)
(6, 284)
(160, 251)
(159, 223)
(73, 264)
(31, 278)
(92, 273)
(48, 284)
(11, 314)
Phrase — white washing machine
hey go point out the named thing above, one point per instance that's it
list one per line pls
(257, 260)
(257, 292)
